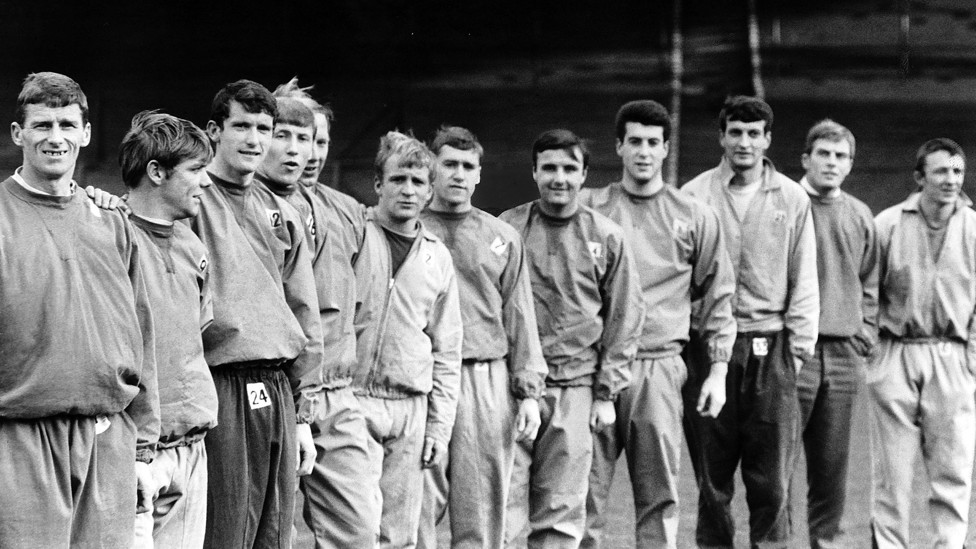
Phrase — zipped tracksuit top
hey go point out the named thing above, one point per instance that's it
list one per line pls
(681, 256)
(76, 329)
(587, 296)
(923, 297)
(773, 251)
(496, 295)
(177, 272)
(408, 326)
(266, 313)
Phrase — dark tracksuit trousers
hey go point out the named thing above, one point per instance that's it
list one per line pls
(251, 460)
(826, 388)
(757, 427)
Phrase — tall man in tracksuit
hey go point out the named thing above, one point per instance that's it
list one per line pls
(264, 346)
(768, 230)
(79, 410)
(502, 372)
(848, 277)
(409, 337)
(590, 314)
(921, 377)
(681, 257)
(164, 161)
(337, 507)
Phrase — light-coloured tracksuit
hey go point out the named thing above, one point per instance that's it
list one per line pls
(338, 507)
(78, 397)
(847, 271)
(408, 343)
(264, 348)
(175, 267)
(590, 314)
(681, 256)
(502, 364)
(777, 309)
(921, 377)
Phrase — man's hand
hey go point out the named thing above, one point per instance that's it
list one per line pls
(107, 201)
(602, 415)
(306, 448)
(712, 396)
(145, 488)
(527, 421)
(434, 452)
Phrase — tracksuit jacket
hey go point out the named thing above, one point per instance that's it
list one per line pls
(773, 252)
(76, 330)
(265, 309)
(408, 326)
(176, 270)
(496, 295)
(587, 296)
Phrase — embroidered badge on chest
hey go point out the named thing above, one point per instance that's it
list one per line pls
(274, 217)
(680, 228)
(779, 216)
(498, 246)
(596, 249)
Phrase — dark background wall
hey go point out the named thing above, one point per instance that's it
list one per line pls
(509, 70)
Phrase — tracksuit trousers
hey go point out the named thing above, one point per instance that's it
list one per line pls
(757, 428)
(178, 518)
(340, 506)
(67, 482)
(251, 460)
(472, 485)
(547, 500)
(826, 389)
(921, 397)
(648, 429)
(393, 470)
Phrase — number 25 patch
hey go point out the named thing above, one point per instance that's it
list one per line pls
(257, 396)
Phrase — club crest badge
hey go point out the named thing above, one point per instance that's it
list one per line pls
(596, 249)
(498, 246)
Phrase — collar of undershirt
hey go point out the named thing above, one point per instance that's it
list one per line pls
(232, 188)
(24, 191)
(456, 216)
(556, 221)
(283, 190)
(157, 227)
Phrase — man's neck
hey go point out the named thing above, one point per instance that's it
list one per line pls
(280, 188)
(60, 186)
(146, 207)
(409, 227)
(935, 212)
(823, 192)
(438, 205)
(747, 176)
(220, 168)
(559, 211)
(642, 188)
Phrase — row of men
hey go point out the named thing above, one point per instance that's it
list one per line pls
(288, 304)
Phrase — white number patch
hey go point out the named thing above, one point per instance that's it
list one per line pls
(257, 396)
(274, 217)
(760, 346)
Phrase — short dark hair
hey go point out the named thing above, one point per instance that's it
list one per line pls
(933, 146)
(455, 136)
(52, 90)
(645, 112)
(295, 113)
(254, 97)
(831, 131)
(560, 139)
(161, 137)
(744, 108)
(411, 152)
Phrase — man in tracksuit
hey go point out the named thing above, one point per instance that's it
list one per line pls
(502, 372)
(681, 257)
(337, 506)
(79, 409)
(264, 346)
(848, 277)
(590, 313)
(921, 377)
(768, 229)
(409, 337)
(164, 161)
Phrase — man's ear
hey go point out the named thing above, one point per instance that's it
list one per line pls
(213, 131)
(86, 136)
(377, 184)
(155, 172)
(16, 133)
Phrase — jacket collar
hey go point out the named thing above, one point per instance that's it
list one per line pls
(724, 174)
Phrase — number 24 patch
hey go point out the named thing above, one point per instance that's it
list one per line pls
(257, 396)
